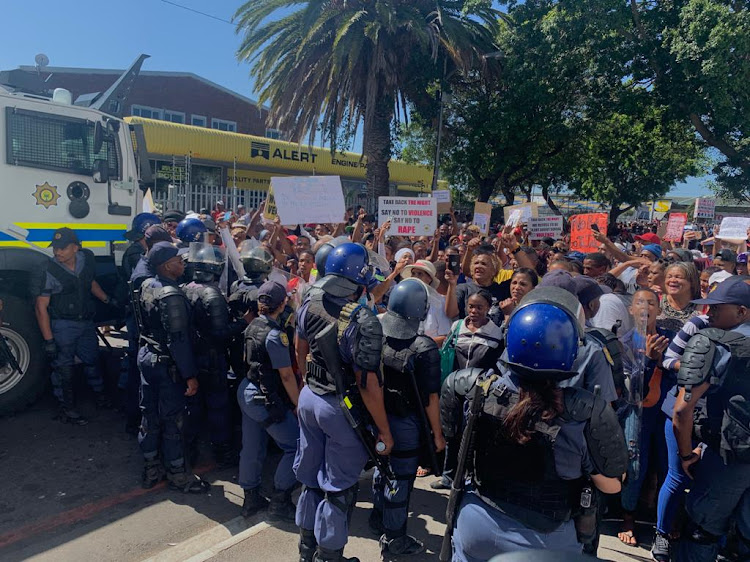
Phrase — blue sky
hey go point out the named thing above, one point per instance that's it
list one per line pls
(111, 34)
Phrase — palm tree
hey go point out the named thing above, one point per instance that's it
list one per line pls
(342, 62)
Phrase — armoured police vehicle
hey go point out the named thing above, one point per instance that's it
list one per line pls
(61, 164)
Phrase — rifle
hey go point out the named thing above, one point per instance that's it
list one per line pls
(328, 344)
(426, 427)
(134, 294)
(457, 487)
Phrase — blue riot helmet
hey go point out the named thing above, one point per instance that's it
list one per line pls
(190, 230)
(407, 307)
(321, 255)
(140, 223)
(347, 269)
(206, 262)
(543, 334)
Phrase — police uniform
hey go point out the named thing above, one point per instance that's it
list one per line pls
(720, 490)
(330, 455)
(266, 410)
(166, 361)
(71, 311)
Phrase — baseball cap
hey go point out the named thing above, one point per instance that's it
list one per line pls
(173, 215)
(742, 258)
(576, 256)
(209, 223)
(718, 277)
(63, 237)
(587, 289)
(726, 255)
(649, 237)
(654, 249)
(561, 279)
(156, 233)
(271, 293)
(161, 253)
(731, 291)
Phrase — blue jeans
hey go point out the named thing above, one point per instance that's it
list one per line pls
(718, 494)
(162, 409)
(652, 435)
(75, 338)
(393, 503)
(255, 432)
(329, 459)
(672, 491)
(482, 532)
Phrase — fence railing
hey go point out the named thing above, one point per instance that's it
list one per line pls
(196, 197)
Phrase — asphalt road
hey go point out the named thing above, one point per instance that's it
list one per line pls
(73, 493)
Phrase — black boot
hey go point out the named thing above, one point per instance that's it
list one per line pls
(326, 555)
(281, 507)
(153, 473)
(398, 546)
(253, 503)
(307, 545)
(102, 402)
(225, 455)
(68, 412)
(375, 522)
(71, 416)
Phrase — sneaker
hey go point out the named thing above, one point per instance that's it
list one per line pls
(660, 550)
(404, 545)
(441, 484)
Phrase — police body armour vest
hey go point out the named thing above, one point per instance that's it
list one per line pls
(75, 302)
(260, 372)
(521, 479)
(321, 312)
(398, 369)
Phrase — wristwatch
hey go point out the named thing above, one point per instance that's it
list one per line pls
(514, 252)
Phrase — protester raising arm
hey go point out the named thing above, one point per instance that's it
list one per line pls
(433, 257)
(381, 289)
(612, 249)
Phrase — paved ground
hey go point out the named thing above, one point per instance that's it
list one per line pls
(73, 493)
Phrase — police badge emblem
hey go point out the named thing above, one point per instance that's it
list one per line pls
(46, 195)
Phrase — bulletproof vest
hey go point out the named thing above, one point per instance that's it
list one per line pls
(155, 314)
(260, 372)
(520, 479)
(612, 349)
(723, 420)
(321, 312)
(210, 313)
(75, 302)
(398, 373)
(243, 296)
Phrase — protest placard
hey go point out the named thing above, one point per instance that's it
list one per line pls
(443, 198)
(545, 227)
(270, 212)
(409, 216)
(302, 199)
(675, 227)
(733, 228)
(528, 210)
(704, 208)
(482, 214)
(581, 233)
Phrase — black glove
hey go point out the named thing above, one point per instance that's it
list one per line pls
(50, 349)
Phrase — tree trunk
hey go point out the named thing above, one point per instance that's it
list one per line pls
(549, 200)
(616, 211)
(376, 146)
(486, 189)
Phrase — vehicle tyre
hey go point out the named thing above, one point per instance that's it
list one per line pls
(25, 341)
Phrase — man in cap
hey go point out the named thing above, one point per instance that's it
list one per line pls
(168, 371)
(65, 312)
(171, 219)
(742, 263)
(714, 368)
(726, 259)
(136, 235)
(411, 376)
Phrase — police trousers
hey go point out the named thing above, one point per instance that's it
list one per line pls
(255, 432)
(330, 458)
(75, 338)
(392, 504)
(162, 409)
(483, 532)
(211, 402)
(718, 494)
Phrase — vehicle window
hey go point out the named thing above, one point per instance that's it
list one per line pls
(52, 142)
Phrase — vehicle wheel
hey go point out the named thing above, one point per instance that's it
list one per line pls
(17, 391)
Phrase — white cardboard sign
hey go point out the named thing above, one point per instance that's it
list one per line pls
(545, 227)
(734, 228)
(303, 199)
(409, 216)
(704, 208)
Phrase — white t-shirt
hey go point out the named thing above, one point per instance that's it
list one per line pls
(437, 323)
(612, 313)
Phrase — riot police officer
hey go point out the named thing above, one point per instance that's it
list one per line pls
(190, 230)
(137, 237)
(532, 442)
(267, 398)
(168, 371)
(65, 312)
(211, 316)
(331, 453)
(411, 381)
(715, 368)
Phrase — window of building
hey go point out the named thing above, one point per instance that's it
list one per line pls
(273, 134)
(223, 125)
(198, 120)
(146, 112)
(174, 116)
(54, 142)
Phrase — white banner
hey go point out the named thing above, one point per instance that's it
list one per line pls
(308, 199)
(545, 227)
(409, 216)
(704, 208)
(734, 228)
